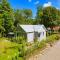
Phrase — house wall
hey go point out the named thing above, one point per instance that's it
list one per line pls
(42, 36)
(45, 35)
(30, 37)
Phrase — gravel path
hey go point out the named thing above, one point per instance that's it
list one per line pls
(50, 53)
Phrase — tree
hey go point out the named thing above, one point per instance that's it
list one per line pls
(51, 14)
(39, 14)
(7, 15)
(27, 13)
(1, 20)
(19, 18)
(28, 16)
(23, 16)
(48, 16)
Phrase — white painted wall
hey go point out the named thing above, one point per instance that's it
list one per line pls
(45, 35)
(30, 37)
(42, 36)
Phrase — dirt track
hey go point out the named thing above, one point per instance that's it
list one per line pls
(50, 53)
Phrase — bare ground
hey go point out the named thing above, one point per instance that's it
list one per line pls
(50, 53)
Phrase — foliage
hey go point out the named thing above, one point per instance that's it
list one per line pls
(39, 14)
(9, 18)
(53, 38)
(6, 18)
(17, 48)
(23, 16)
(9, 50)
(12, 50)
(35, 46)
(49, 16)
(18, 40)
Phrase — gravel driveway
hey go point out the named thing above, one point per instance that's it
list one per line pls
(50, 53)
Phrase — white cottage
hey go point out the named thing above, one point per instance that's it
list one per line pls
(34, 32)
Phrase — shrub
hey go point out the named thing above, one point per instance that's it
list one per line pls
(42, 44)
(52, 38)
(20, 58)
(18, 39)
(57, 37)
(35, 46)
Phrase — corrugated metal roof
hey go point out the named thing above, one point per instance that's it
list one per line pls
(27, 28)
(32, 28)
(39, 28)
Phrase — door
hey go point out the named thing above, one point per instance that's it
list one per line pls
(30, 37)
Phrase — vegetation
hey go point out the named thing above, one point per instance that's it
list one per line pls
(17, 48)
(38, 46)
(49, 16)
(13, 51)
(9, 50)
(6, 20)
(10, 18)
(52, 38)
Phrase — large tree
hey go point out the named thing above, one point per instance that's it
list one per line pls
(39, 14)
(23, 16)
(27, 13)
(49, 16)
(7, 15)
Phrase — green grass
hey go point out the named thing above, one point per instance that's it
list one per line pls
(8, 50)
(3, 38)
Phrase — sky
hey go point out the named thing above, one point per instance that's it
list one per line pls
(32, 4)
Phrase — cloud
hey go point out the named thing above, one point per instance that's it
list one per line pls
(37, 2)
(29, 0)
(57, 8)
(47, 4)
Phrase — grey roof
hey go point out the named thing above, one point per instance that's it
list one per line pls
(32, 28)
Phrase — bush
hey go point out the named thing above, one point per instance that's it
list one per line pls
(18, 39)
(52, 38)
(35, 46)
(42, 44)
(20, 58)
